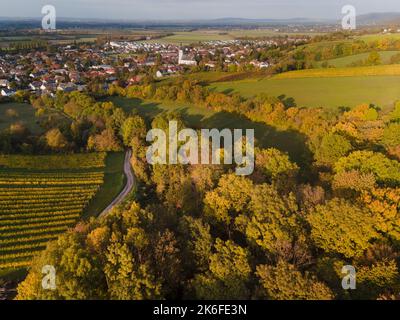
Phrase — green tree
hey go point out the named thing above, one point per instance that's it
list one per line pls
(276, 167)
(333, 146)
(133, 128)
(384, 169)
(374, 59)
(270, 220)
(228, 200)
(196, 242)
(391, 135)
(228, 276)
(340, 227)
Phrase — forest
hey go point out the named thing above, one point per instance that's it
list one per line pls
(326, 197)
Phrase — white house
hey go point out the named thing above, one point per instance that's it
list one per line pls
(186, 61)
(35, 85)
(7, 92)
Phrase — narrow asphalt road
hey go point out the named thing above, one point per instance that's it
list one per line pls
(128, 187)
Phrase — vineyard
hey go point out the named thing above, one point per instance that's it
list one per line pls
(41, 197)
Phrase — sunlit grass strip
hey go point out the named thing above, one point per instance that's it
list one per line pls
(385, 70)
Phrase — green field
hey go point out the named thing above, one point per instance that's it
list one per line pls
(379, 36)
(259, 33)
(202, 35)
(347, 61)
(188, 37)
(114, 181)
(322, 92)
(381, 70)
(24, 113)
(149, 109)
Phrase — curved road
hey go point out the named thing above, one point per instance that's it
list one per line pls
(128, 187)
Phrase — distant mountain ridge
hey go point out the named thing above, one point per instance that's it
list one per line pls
(379, 18)
(376, 18)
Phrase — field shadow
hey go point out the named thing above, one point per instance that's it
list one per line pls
(289, 141)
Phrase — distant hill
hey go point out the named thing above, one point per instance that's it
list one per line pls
(238, 21)
(382, 18)
(371, 19)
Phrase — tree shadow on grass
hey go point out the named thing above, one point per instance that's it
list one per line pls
(289, 141)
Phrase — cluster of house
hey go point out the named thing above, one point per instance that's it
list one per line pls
(69, 68)
(172, 58)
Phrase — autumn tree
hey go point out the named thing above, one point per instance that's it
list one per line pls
(196, 243)
(105, 141)
(228, 200)
(270, 220)
(284, 282)
(333, 146)
(342, 228)
(384, 169)
(56, 140)
(276, 166)
(228, 274)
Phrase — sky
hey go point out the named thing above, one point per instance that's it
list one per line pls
(193, 9)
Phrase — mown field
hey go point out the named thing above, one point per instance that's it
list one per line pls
(379, 36)
(381, 70)
(347, 61)
(188, 37)
(40, 198)
(202, 35)
(11, 113)
(329, 92)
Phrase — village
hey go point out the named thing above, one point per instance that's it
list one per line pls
(73, 67)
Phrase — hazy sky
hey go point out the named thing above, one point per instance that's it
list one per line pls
(193, 9)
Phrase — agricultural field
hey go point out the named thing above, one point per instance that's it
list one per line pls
(379, 36)
(381, 70)
(40, 198)
(347, 61)
(262, 32)
(189, 37)
(329, 92)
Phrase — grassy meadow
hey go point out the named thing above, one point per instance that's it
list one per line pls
(347, 61)
(330, 92)
(203, 35)
(114, 181)
(381, 70)
(11, 113)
